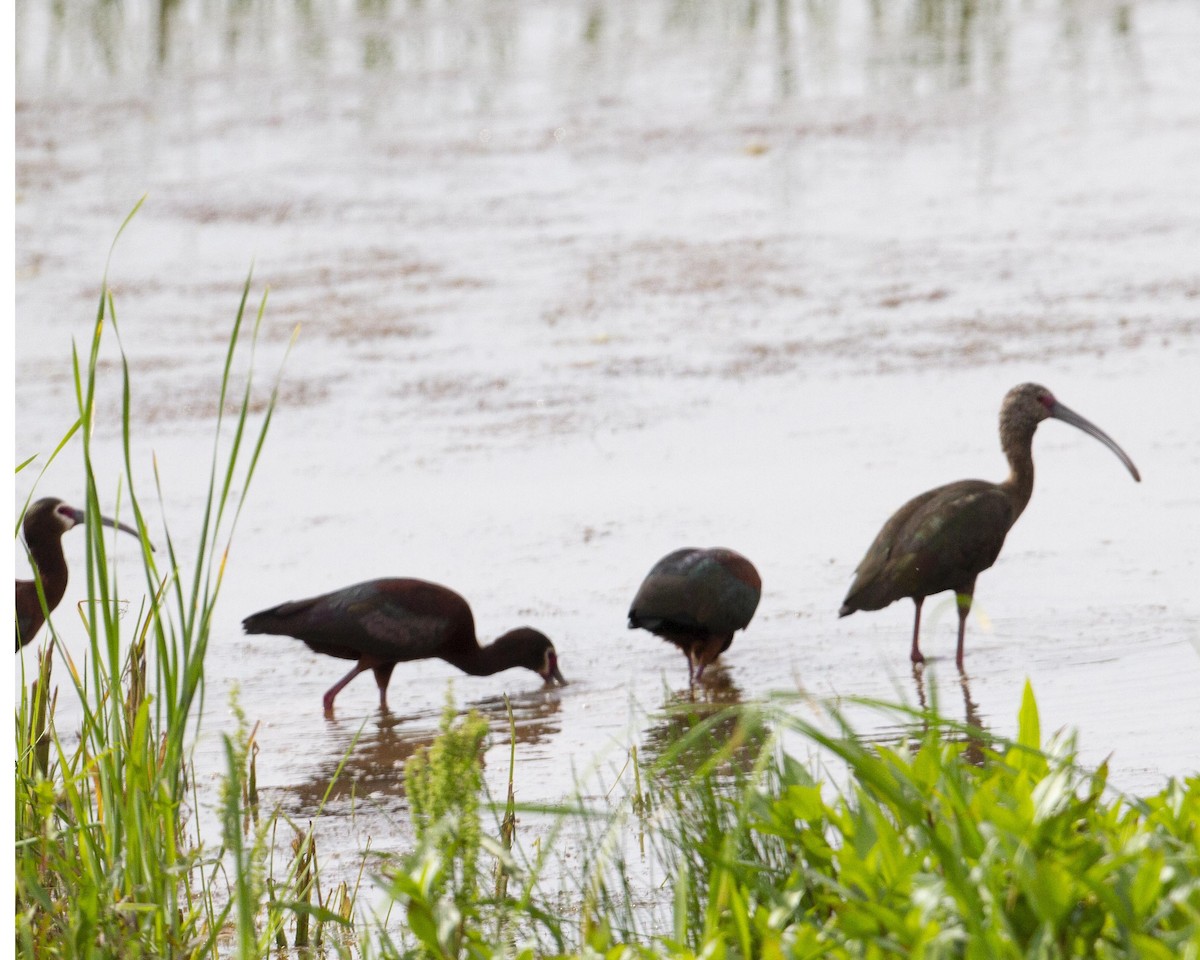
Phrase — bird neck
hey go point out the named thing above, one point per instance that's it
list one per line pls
(483, 661)
(51, 566)
(1017, 443)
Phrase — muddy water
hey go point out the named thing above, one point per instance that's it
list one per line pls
(579, 284)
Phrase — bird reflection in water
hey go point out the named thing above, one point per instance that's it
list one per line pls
(374, 755)
(736, 737)
(972, 734)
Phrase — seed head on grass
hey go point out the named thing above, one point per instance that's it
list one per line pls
(444, 782)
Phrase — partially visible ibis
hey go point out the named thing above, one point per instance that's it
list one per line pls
(697, 599)
(381, 623)
(943, 539)
(45, 522)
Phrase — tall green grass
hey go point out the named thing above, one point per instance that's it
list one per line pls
(950, 845)
(108, 860)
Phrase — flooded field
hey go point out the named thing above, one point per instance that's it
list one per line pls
(577, 284)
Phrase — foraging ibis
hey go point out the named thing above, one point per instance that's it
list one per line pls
(381, 623)
(697, 599)
(944, 538)
(45, 522)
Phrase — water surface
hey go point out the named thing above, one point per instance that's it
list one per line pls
(578, 284)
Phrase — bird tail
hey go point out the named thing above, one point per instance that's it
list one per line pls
(257, 622)
(638, 622)
(846, 610)
(274, 620)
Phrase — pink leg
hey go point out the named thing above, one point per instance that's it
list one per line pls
(708, 651)
(382, 675)
(337, 687)
(915, 655)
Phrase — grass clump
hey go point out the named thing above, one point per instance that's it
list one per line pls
(443, 782)
(108, 861)
(947, 846)
(921, 853)
(441, 884)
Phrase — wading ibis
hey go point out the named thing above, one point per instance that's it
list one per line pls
(946, 537)
(381, 623)
(45, 522)
(697, 599)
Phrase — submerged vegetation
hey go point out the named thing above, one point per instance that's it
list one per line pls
(949, 844)
(949, 43)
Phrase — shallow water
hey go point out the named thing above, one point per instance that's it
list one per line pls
(580, 284)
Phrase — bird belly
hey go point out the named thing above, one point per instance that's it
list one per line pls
(332, 649)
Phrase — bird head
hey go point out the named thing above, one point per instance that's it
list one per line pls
(533, 650)
(55, 513)
(59, 517)
(1027, 405)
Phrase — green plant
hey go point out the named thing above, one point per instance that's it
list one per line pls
(444, 782)
(921, 853)
(107, 864)
(950, 844)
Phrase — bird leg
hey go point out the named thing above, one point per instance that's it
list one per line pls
(383, 674)
(964, 607)
(705, 652)
(915, 655)
(337, 687)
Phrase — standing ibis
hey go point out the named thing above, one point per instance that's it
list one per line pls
(45, 523)
(381, 623)
(943, 539)
(697, 599)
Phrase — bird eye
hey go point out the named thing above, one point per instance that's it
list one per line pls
(1046, 399)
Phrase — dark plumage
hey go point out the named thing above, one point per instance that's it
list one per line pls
(381, 623)
(943, 539)
(45, 522)
(697, 599)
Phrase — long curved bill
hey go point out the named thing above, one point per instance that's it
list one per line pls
(552, 675)
(1067, 415)
(80, 516)
(118, 526)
